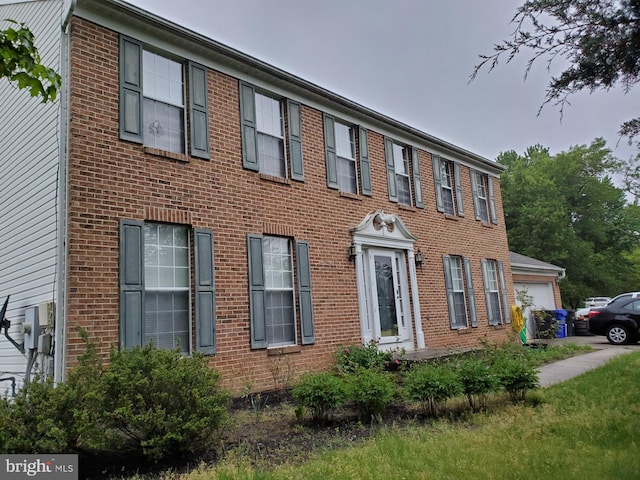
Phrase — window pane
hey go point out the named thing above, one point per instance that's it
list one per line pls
(278, 263)
(271, 155)
(167, 320)
(166, 286)
(163, 126)
(345, 146)
(460, 309)
(268, 115)
(165, 256)
(347, 181)
(404, 192)
(447, 187)
(279, 318)
(162, 79)
(400, 159)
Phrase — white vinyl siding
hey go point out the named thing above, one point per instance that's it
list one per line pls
(28, 189)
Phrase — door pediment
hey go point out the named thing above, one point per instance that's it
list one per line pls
(379, 228)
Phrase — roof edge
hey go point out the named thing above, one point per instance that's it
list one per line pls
(220, 48)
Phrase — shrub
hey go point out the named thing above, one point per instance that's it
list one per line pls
(432, 385)
(371, 391)
(320, 393)
(36, 420)
(516, 376)
(160, 404)
(352, 357)
(477, 381)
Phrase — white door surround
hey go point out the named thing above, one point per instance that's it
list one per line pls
(383, 238)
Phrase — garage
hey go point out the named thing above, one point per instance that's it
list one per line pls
(540, 282)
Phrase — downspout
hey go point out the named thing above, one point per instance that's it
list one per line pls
(60, 352)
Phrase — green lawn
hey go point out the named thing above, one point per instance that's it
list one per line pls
(587, 428)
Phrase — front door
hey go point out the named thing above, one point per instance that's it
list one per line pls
(389, 295)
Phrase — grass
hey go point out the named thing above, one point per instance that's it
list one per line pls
(586, 428)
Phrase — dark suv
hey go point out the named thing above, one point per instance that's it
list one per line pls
(619, 321)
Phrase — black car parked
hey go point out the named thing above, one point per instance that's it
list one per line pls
(620, 322)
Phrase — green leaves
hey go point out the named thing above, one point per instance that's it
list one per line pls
(564, 209)
(20, 62)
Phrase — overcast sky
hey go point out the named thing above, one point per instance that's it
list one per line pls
(411, 60)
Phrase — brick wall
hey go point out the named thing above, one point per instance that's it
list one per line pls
(110, 180)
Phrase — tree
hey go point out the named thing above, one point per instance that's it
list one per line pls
(20, 62)
(565, 210)
(599, 39)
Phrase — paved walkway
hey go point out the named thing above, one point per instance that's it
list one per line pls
(558, 371)
(572, 367)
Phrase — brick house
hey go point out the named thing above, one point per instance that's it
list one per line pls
(195, 197)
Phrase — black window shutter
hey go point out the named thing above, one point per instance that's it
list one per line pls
(391, 170)
(198, 111)
(417, 181)
(295, 140)
(437, 181)
(365, 164)
(205, 293)
(130, 90)
(470, 292)
(330, 151)
(256, 293)
(131, 283)
(304, 293)
(248, 126)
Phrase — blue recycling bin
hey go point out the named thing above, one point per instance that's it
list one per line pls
(561, 331)
(561, 317)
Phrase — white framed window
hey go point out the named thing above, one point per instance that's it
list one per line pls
(270, 135)
(163, 103)
(458, 292)
(158, 285)
(272, 302)
(153, 103)
(167, 286)
(346, 157)
(482, 197)
(401, 168)
(495, 291)
(447, 185)
(279, 298)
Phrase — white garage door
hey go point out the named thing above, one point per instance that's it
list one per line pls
(542, 294)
